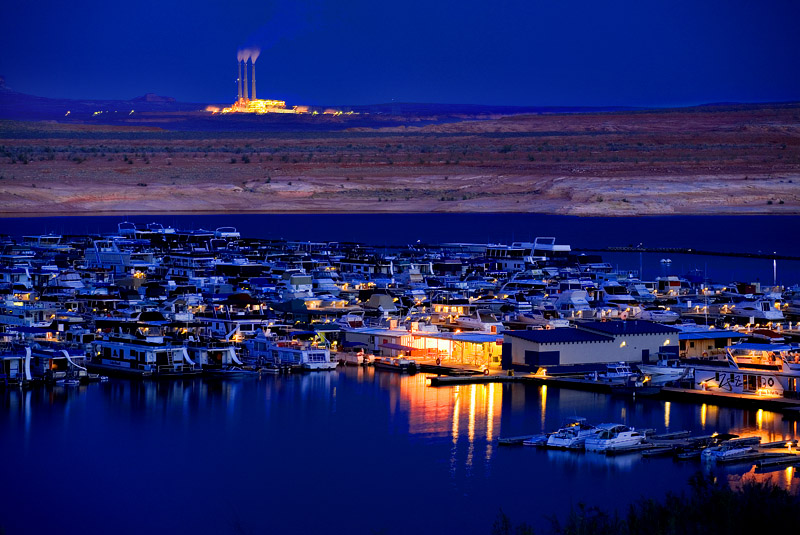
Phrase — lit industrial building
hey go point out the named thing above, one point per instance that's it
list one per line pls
(248, 102)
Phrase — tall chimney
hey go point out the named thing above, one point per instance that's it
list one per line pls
(253, 95)
(239, 79)
(244, 87)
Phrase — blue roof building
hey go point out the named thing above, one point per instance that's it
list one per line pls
(592, 343)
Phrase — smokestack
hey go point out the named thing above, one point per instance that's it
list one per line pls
(253, 96)
(244, 87)
(240, 79)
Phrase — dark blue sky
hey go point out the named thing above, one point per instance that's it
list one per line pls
(527, 52)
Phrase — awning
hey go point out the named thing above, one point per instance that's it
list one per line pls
(353, 344)
(397, 347)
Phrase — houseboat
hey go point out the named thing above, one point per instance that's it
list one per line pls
(215, 359)
(305, 355)
(757, 369)
(131, 348)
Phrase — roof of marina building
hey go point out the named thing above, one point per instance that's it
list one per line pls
(559, 335)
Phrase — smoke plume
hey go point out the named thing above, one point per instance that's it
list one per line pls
(287, 21)
(251, 54)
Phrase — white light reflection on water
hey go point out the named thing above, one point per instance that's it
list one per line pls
(667, 407)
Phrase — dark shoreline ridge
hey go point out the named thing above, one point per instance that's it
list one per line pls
(707, 507)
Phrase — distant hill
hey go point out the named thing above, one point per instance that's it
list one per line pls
(167, 113)
(152, 97)
(21, 106)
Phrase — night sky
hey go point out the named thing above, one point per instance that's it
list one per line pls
(524, 52)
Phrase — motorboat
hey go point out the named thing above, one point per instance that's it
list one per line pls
(756, 311)
(572, 435)
(352, 358)
(542, 317)
(227, 232)
(480, 320)
(665, 370)
(615, 373)
(611, 437)
(613, 293)
(642, 293)
(574, 304)
(730, 450)
(656, 314)
(396, 364)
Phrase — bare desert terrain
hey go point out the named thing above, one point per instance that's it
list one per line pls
(708, 160)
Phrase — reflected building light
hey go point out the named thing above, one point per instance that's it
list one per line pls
(788, 474)
(490, 414)
(667, 408)
(471, 425)
(703, 411)
(544, 404)
(456, 407)
(490, 422)
(454, 449)
(760, 418)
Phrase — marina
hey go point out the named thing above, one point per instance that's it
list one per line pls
(465, 346)
(318, 267)
(152, 300)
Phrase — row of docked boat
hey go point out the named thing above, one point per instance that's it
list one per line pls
(576, 434)
(612, 438)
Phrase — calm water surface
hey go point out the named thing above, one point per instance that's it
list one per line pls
(349, 451)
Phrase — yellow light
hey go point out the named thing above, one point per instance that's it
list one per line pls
(666, 342)
(623, 344)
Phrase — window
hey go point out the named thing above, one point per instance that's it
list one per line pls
(691, 344)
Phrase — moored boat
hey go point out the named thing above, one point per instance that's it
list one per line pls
(396, 364)
(610, 437)
(571, 435)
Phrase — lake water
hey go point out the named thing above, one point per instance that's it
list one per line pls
(352, 451)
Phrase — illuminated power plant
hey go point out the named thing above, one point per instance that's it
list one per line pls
(246, 100)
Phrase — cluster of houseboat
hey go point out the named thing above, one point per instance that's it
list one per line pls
(166, 303)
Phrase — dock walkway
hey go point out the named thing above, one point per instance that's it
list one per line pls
(789, 407)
